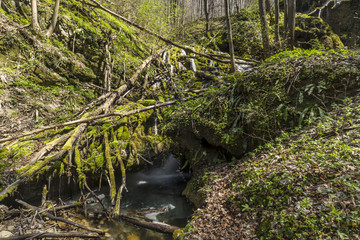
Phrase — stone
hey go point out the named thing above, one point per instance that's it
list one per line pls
(5, 234)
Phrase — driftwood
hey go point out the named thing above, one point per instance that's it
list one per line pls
(55, 235)
(167, 41)
(159, 227)
(52, 217)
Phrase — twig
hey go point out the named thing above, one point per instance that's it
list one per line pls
(89, 119)
(52, 217)
(55, 235)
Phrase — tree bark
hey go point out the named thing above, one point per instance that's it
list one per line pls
(34, 16)
(164, 228)
(286, 16)
(291, 23)
(54, 19)
(206, 11)
(277, 31)
(264, 27)
(230, 39)
(267, 5)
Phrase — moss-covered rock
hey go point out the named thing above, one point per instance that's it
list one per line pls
(313, 32)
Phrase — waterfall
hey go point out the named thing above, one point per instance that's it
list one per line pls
(171, 69)
(155, 127)
(243, 67)
(192, 64)
(165, 56)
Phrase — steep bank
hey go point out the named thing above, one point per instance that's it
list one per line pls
(249, 195)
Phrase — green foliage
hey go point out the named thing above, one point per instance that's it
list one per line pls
(304, 184)
(287, 90)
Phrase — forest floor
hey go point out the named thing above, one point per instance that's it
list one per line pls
(302, 184)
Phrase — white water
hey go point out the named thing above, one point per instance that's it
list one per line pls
(165, 57)
(193, 65)
(155, 127)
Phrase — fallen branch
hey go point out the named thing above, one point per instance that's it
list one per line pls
(55, 235)
(167, 41)
(11, 187)
(89, 119)
(159, 227)
(52, 217)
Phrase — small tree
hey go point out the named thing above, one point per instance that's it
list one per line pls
(206, 11)
(264, 27)
(34, 16)
(35, 21)
(291, 23)
(230, 39)
(277, 31)
(54, 19)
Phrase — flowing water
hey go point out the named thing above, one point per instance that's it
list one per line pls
(156, 193)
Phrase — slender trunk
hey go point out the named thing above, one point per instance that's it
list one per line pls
(291, 23)
(264, 27)
(230, 39)
(286, 19)
(54, 19)
(206, 11)
(34, 16)
(267, 5)
(277, 31)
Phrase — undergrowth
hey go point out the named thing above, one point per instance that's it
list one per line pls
(305, 184)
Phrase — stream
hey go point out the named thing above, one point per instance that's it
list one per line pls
(156, 193)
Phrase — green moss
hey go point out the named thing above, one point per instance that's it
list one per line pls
(109, 166)
(125, 135)
(79, 167)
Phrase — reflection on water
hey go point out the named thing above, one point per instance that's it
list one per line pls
(158, 188)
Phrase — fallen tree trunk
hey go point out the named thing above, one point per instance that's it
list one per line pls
(52, 217)
(159, 227)
(89, 119)
(167, 41)
(55, 235)
(76, 133)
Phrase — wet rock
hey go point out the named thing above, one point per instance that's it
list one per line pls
(5, 234)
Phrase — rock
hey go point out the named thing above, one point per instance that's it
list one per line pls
(5, 234)
(132, 237)
(3, 211)
(10, 228)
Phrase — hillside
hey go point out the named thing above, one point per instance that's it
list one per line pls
(95, 110)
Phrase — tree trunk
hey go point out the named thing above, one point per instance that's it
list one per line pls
(267, 5)
(277, 31)
(34, 16)
(206, 11)
(54, 19)
(264, 27)
(291, 23)
(230, 39)
(286, 8)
